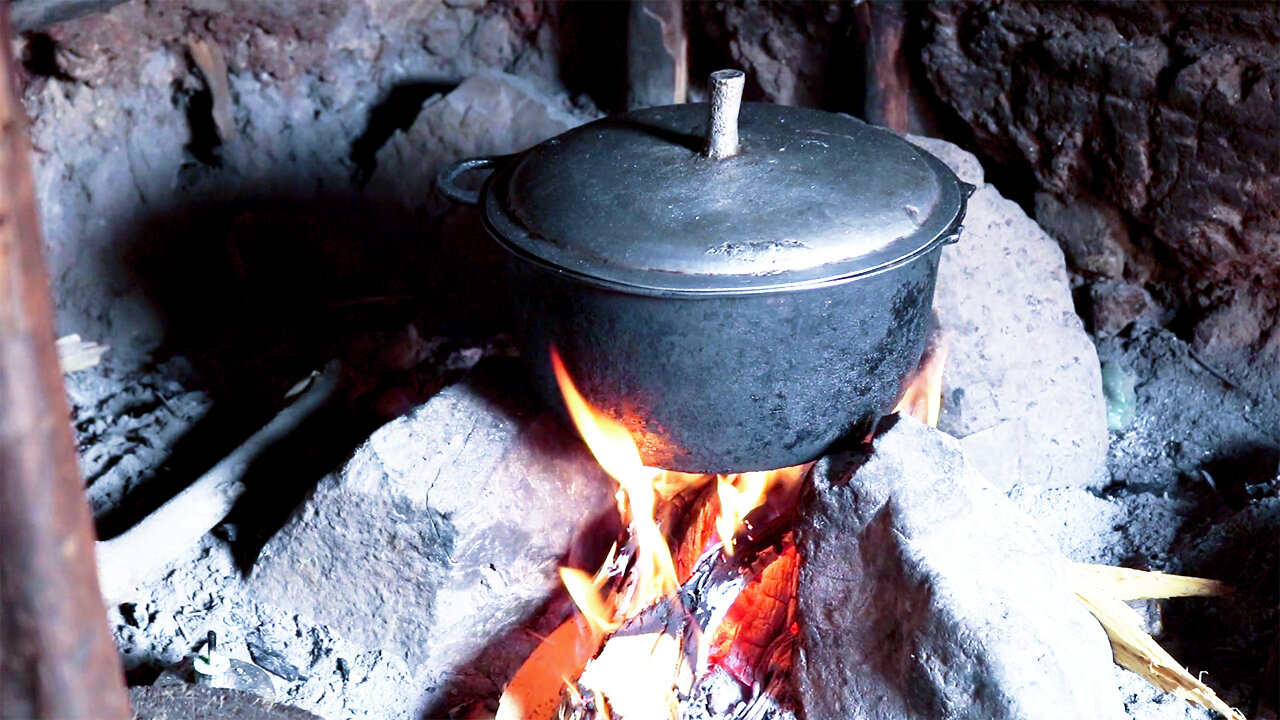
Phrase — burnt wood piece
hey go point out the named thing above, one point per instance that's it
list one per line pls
(657, 54)
(887, 81)
(35, 14)
(757, 620)
(58, 659)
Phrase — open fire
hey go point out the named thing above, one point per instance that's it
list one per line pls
(694, 614)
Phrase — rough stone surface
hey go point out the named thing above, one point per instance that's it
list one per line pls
(1093, 234)
(1113, 305)
(443, 531)
(1167, 113)
(785, 48)
(491, 113)
(926, 594)
(154, 221)
(1022, 389)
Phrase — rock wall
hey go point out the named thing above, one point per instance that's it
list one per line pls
(190, 154)
(1149, 133)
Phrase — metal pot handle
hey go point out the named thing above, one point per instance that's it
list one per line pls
(967, 190)
(445, 179)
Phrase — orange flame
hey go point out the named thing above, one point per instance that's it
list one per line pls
(922, 399)
(618, 454)
(743, 492)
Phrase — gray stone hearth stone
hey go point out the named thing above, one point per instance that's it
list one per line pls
(925, 593)
(443, 531)
(490, 113)
(1023, 388)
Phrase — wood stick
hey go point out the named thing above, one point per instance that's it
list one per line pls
(1135, 650)
(1127, 584)
(58, 659)
(127, 560)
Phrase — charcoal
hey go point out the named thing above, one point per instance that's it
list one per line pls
(924, 593)
(1022, 388)
(443, 531)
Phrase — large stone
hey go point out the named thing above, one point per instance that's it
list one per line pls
(460, 268)
(490, 113)
(925, 593)
(443, 531)
(1023, 387)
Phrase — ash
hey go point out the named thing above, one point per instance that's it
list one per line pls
(1194, 490)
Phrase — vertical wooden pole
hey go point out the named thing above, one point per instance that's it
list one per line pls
(657, 54)
(887, 81)
(57, 659)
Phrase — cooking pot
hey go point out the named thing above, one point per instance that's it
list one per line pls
(740, 285)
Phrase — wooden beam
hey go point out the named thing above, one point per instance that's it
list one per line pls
(57, 658)
(887, 80)
(657, 54)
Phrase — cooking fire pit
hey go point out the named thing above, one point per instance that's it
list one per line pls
(415, 370)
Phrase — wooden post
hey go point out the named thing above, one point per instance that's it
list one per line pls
(887, 81)
(657, 54)
(57, 659)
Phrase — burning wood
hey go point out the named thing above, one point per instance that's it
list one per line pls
(706, 627)
(705, 624)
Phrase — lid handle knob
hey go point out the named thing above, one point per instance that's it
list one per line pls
(722, 123)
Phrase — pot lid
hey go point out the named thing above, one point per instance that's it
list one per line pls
(810, 198)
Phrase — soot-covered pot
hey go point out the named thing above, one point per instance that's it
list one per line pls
(739, 289)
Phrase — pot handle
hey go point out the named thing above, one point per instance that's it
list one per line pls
(448, 175)
(953, 236)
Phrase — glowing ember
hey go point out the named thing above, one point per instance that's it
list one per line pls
(922, 399)
(762, 615)
(617, 453)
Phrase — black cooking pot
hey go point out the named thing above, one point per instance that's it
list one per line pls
(735, 310)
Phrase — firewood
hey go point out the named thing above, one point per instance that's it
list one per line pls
(1127, 584)
(1137, 651)
(534, 691)
(756, 619)
(127, 560)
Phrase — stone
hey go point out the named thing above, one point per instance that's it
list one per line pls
(461, 268)
(1093, 234)
(1022, 389)
(924, 593)
(443, 531)
(1114, 305)
(1166, 113)
(783, 47)
(490, 113)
